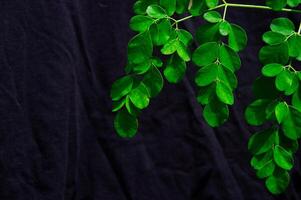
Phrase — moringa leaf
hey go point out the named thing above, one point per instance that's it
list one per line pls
(291, 125)
(153, 81)
(160, 32)
(281, 111)
(255, 113)
(229, 58)
(237, 38)
(283, 158)
(267, 170)
(262, 142)
(206, 75)
(273, 38)
(224, 93)
(121, 87)
(206, 54)
(274, 54)
(169, 5)
(139, 96)
(208, 33)
(282, 25)
(140, 48)
(278, 182)
(212, 3)
(175, 69)
(212, 16)
(182, 6)
(272, 69)
(156, 11)
(276, 4)
(224, 28)
(140, 23)
(215, 112)
(184, 36)
(125, 124)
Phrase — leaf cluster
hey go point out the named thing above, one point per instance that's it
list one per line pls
(277, 103)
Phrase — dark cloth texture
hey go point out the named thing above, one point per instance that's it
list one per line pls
(58, 59)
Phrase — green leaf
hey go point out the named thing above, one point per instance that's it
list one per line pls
(262, 142)
(140, 23)
(237, 38)
(126, 125)
(215, 113)
(270, 110)
(206, 54)
(276, 4)
(278, 183)
(169, 5)
(131, 108)
(206, 75)
(117, 105)
(212, 16)
(259, 161)
(229, 58)
(160, 32)
(197, 7)
(283, 158)
(293, 3)
(255, 113)
(281, 111)
(211, 3)
(294, 86)
(227, 76)
(140, 96)
(206, 93)
(141, 6)
(157, 62)
(183, 52)
(170, 47)
(140, 68)
(153, 81)
(140, 48)
(121, 87)
(175, 69)
(273, 38)
(282, 25)
(272, 69)
(224, 28)
(267, 170)
(184, 36)
(274, 54)
(291, 125)
(294, 44)
(156, 11)
(224, 93)
(208, 33)
(284, 80)
(182, 6)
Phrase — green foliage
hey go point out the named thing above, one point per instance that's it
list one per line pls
(217, 61)
(281, 79)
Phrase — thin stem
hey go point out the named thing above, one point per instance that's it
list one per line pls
(299, 31)
(183, 19)
(225, 12)
(226, 5)
(261, 7)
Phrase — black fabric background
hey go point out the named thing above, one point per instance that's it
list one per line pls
(58, 59)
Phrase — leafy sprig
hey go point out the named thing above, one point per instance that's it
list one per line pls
(273, 148)
(162, 48)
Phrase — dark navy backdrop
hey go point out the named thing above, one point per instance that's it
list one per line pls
(58, 59)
